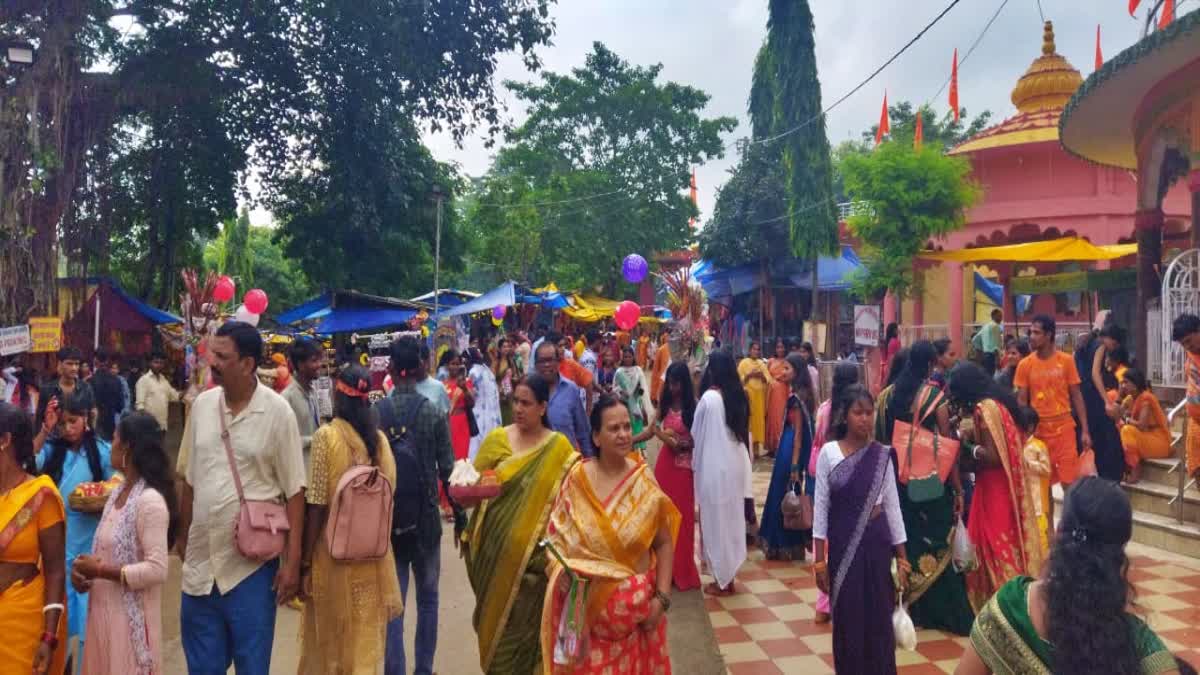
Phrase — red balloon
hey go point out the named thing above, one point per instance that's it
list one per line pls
(255, 301)
(627, 314)
(224, 290)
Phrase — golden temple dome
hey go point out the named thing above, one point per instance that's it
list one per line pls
(1040, 96)
(1050, 81)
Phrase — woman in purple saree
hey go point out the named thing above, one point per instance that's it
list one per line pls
(857, 531)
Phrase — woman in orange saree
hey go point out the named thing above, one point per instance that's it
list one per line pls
(777, 395)
(615, 529)
(1003, 520)
(32, 556)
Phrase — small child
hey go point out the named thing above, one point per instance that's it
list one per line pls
(1037, 473)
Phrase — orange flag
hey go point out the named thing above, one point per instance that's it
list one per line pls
(919, 134)
(885, 127)
(1133, 5)
(1167, 14)
(1099, 54)
(954, 86)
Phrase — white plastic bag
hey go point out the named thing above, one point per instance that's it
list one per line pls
(963, 549)
(903, 629)
(463, 474)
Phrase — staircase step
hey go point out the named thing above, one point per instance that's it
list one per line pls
(1151, 529)
(1155, 471)
(1156, 498)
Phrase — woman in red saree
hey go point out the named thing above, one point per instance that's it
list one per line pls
(32, 556)
(673, 469)
(1003, 520)
(615, 530)
(462, 400)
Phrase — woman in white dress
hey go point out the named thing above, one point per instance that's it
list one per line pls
(721, 464)
(487, 399)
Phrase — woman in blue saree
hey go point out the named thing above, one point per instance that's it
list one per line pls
(791, 462)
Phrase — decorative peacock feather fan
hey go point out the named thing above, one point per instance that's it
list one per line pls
(196, 302)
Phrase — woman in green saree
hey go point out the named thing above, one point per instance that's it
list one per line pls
(505, 565)
(937, 593)
(1074, 620)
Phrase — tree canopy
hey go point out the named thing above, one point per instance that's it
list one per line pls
(786, 99)
(596, 172)
(911, 196)
(261, 263)
(141, 117)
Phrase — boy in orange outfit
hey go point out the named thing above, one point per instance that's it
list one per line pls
(1048, 382)
(1186, 331)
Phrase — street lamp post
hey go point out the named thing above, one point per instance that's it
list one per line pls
(438, 196)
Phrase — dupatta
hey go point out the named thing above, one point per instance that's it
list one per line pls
(1005, 526)
(603, 540)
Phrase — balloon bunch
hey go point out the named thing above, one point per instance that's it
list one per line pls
(254, 303)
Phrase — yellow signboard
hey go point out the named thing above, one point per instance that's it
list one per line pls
(46, 333)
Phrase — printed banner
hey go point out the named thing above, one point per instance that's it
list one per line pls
(46, 332)
(14, 340)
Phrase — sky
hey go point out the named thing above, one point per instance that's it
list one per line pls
(710, 44)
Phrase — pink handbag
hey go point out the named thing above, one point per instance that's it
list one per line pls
(259, 533)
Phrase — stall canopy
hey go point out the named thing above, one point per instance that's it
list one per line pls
(833, 274)
(347, 311)
(447, 297)
(126, 323)
(991, 290)
(505, 294)
(1066, 249)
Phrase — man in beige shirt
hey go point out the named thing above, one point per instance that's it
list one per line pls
(227, 614)
(154, 393)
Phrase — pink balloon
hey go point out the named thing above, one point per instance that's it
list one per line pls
(255, 301)
(224, 290)
(627, 314)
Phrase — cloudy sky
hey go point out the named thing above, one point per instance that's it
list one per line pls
(711, 44)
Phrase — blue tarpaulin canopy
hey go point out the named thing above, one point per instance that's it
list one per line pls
(833, 274)
(993, 290)
(351, 311)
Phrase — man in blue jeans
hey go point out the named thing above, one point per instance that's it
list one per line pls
(227, 614)
(419, 551)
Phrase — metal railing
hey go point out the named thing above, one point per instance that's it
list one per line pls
(1180, 459)
(847, 209)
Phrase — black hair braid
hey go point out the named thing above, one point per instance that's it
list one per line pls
(1088, 589)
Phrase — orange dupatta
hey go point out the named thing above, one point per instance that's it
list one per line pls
(604, 541)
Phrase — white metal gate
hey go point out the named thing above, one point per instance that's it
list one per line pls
(1180, 295)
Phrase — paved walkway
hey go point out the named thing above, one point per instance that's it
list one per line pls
(767, 627)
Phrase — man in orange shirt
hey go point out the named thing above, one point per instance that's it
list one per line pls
(1047, 381)
(1186, 331)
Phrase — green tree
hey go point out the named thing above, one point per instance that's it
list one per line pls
(231, 250)
(284, 78)
(267, 267)
(749, 220)
(787, 92)
(602, 161)
(911, 196)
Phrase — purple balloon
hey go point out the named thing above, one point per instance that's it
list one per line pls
(499, 311)
(634, 268)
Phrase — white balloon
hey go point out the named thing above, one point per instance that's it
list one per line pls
(246, 316)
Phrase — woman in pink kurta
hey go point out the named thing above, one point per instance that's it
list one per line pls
(124, 575)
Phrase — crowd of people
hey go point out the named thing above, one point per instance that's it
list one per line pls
(572, 562)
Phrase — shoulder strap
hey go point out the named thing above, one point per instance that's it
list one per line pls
(410, 413)
(225, 440)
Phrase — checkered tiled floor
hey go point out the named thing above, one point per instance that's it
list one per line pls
(767, 626)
